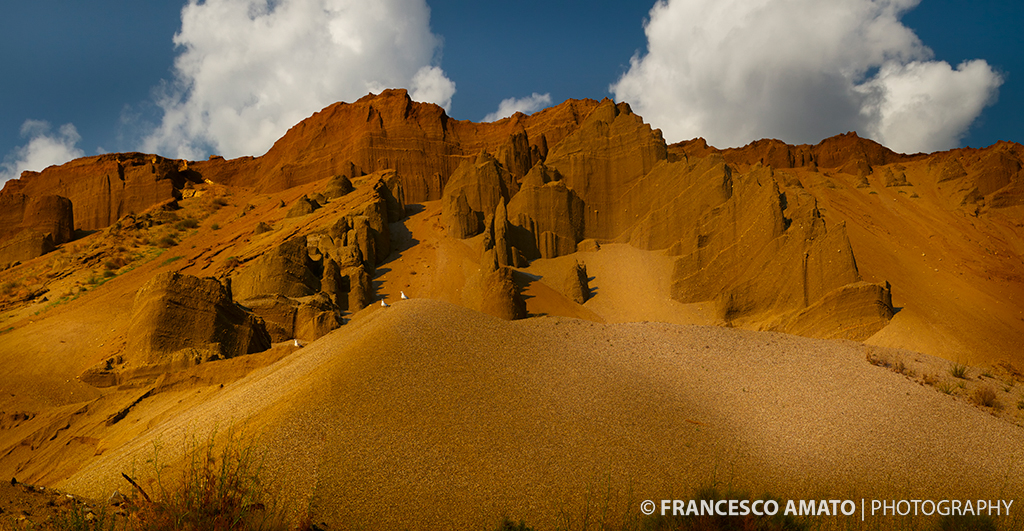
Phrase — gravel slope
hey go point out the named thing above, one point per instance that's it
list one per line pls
(426, 414)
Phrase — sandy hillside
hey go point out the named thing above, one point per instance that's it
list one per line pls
(657, 369)
(425, 408)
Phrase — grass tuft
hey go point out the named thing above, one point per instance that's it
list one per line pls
(985, 396)
(958, 370)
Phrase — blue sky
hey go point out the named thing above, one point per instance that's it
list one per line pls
(85, 78)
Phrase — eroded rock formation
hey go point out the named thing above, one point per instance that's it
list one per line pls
(179, 321)
(31, 227)
(105, 187)
(751, 231)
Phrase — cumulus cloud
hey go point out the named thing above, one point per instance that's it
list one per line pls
(44, 148)
(250, 69)
(527, 105)
(431, 85)
(734, 71)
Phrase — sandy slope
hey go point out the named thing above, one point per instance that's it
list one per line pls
(429, 414)
(627, 285)
(956, 277)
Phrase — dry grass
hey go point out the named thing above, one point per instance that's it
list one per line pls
(187, 223)
(882, 358)
(220, 488)
(985, 396)
(166, 242)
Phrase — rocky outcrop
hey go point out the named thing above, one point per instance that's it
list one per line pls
(458, 217)
(759, 253)
(338, 186)
(302, 286)
(742, 232)
(854, 311)
(990, 177)
(303, 207)
(610, 151)
(285, 286)
(473, 192)
(496, 292)
(576, 285)
(179, 321)
(284, 270)
(24, 246)
(389, 131)
(349, 288)
(278, 312)
(51, 214)
(31, 227)
(984, 177)
(847, 151)
(553, 216)
(106, 187)
(739, 241)
(498, 239)
(387, 184)
(307, 318)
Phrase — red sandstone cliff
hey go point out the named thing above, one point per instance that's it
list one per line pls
(772, 235)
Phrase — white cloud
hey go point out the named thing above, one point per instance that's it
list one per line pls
(527, 105)
(431, 85)
(250, 69)
(926, 106)
(43, 149)
(734, 71)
